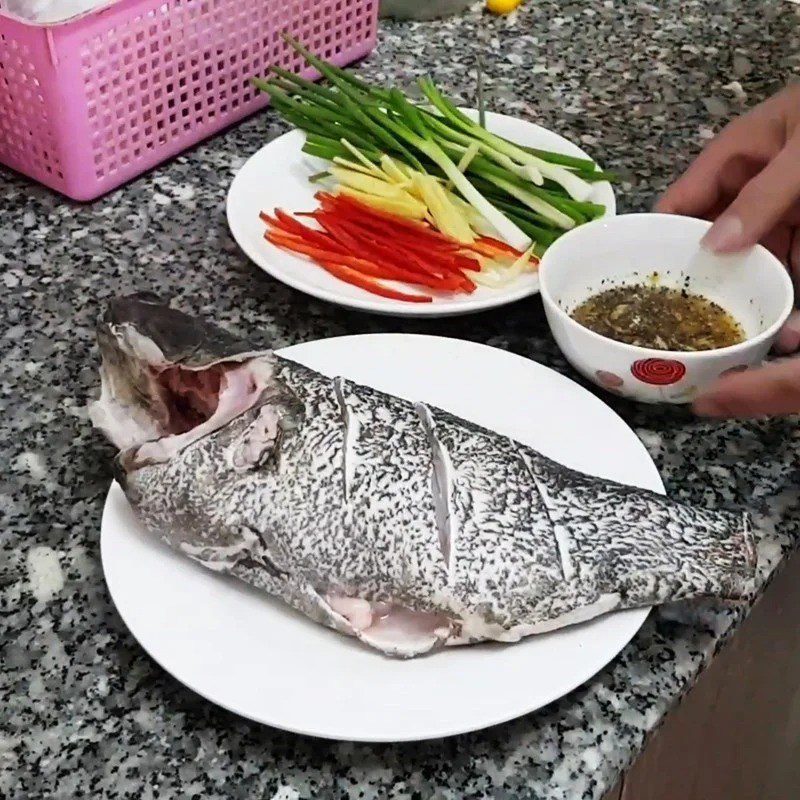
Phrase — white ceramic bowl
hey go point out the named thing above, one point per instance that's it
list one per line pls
(753, 286)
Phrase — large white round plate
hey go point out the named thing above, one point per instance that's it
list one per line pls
(277, 177)
(250, 654)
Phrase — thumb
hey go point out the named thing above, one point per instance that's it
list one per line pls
(788, 340)
(760, 204)
(770, 390)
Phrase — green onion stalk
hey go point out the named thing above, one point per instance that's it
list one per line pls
(525, 194)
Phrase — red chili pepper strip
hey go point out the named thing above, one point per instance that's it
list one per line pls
(468, 286)
(385, 230)
(430, 264)
(298, 246)
(399, 266)
(288, 224)
(409, 230)
(427, 259)
(351, 276)
(418, 262)
(498, 245)
(385, 222)
(382, 252)
(467, 262)
(453, 263)
(339, 234)
(449, 258)
(264, 217)
(439, 275)
(485, 250)
(362, 265)
(361, 241)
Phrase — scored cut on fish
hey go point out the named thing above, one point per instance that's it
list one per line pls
(394, 522)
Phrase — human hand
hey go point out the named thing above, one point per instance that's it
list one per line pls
(747, 181)
(770, 390)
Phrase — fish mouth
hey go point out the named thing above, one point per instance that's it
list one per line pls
(169, 379)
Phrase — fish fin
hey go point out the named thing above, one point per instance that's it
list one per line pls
(391, 628)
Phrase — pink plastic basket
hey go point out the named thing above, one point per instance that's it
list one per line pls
(88, 104)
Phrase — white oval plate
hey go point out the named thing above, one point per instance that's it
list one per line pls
(277, 177)
(254, 656)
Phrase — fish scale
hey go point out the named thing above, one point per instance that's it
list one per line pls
(695, 548)
(360, 544)
(391, 494)
(395, 522)
(505, 548)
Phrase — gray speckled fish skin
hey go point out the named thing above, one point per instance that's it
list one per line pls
(455, 533)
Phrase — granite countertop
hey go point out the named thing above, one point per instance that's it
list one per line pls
(85, 712)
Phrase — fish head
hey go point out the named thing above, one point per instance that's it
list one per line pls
(169, 380)
(202, 420)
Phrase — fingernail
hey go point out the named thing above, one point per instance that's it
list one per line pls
(726, 235)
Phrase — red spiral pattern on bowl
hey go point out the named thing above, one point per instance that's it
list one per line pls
(658, 371)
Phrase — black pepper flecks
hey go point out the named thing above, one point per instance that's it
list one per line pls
(659, 317)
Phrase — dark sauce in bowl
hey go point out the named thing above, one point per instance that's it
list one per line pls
(659, 318)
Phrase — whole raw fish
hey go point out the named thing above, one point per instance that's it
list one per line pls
(394, 522)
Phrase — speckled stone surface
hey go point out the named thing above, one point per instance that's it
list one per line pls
(83, 711)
